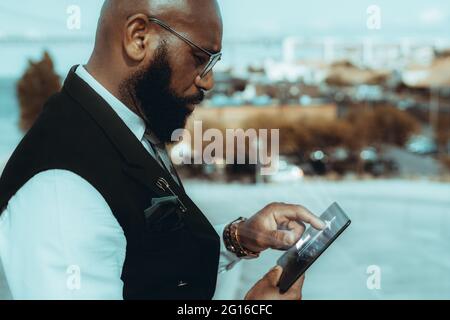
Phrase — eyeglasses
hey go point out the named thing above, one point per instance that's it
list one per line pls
(213, 57)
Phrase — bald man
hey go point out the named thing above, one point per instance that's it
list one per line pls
(92, 207)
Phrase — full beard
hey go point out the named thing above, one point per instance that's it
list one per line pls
(162, 110)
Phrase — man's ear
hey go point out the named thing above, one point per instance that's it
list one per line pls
(137, 40)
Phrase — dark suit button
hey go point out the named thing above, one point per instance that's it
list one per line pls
(181, 283)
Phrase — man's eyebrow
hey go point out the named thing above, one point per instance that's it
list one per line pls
(213, 51)
(209, 49)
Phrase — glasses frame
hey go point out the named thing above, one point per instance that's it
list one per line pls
(213, 57)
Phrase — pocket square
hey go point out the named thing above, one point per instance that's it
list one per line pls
(158, 203)
(162, 215)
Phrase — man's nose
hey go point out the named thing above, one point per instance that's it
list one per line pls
(206, 83)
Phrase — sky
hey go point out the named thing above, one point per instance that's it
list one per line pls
(243, 20)
(250, 18)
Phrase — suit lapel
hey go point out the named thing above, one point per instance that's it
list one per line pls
(140, 165)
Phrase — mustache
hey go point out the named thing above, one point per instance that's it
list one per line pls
(194, 99)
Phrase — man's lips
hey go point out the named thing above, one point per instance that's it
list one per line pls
(191, 105)
(192, 102)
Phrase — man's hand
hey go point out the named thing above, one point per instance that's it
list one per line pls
(266, 288)
(277, 226)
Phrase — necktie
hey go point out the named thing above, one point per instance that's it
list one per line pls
(162, 156)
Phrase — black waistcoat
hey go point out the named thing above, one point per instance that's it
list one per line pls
(78, 131)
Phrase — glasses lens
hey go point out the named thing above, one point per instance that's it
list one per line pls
(212, 62)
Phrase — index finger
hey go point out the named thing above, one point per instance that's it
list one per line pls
(300, 214)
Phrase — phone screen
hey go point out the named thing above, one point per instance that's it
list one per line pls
(311, 245)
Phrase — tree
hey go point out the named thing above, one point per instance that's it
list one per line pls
(383, 125)
(330, 134)
(294, 136)
(38, 83)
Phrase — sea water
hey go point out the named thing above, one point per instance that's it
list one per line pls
(10, 133)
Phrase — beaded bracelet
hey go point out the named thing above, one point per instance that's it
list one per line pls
(232, 243)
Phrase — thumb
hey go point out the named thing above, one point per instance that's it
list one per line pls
(282, 239)
(273, 276)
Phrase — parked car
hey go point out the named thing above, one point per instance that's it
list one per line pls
(286, 171)
(375, 164)
(319, 162)
(421, 144)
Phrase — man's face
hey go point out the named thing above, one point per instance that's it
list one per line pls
(164, 110)
(168, 86)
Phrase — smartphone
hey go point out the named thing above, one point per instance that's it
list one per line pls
(311, 245)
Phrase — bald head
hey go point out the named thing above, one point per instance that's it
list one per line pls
(128, 45)
(126, 41)
(199, 19)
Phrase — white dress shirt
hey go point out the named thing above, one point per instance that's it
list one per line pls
(59, 238)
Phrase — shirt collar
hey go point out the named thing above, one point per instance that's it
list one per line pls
(135, 123)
